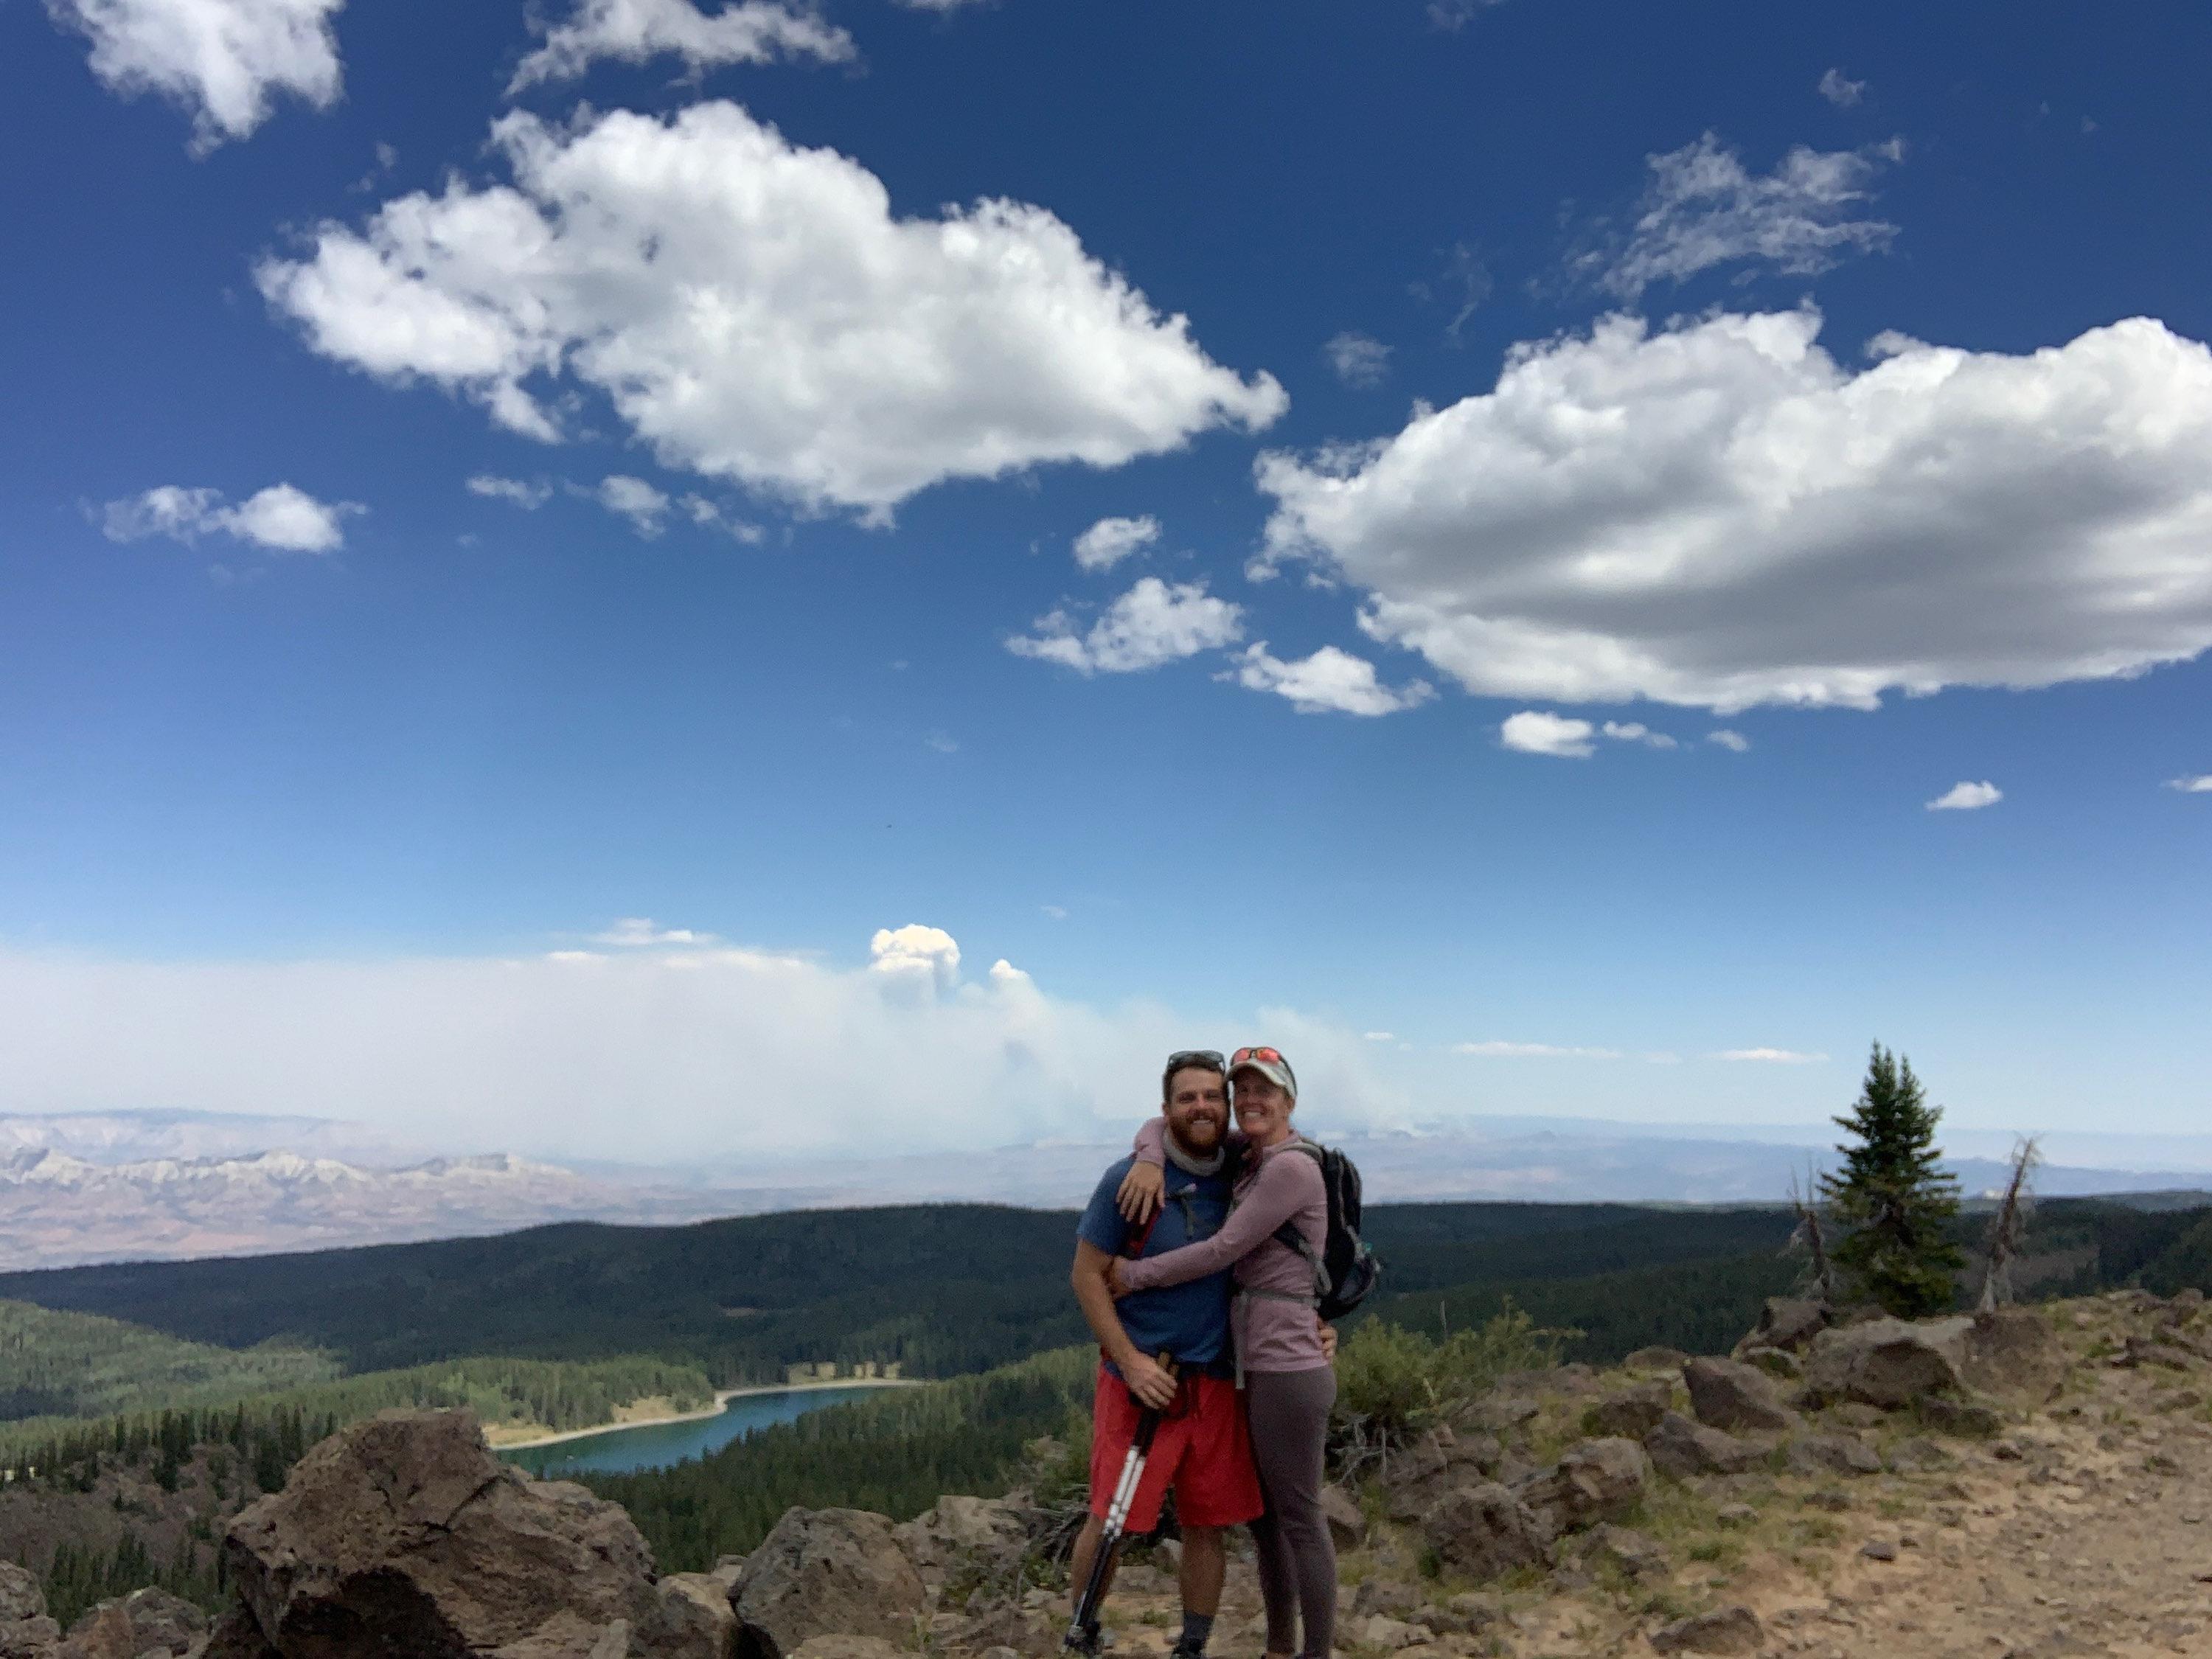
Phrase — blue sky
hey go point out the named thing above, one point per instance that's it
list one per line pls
(1486, 373)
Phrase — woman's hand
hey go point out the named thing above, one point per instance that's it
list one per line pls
(1329, 1341)
(1139, 1197)
(1114, 1278)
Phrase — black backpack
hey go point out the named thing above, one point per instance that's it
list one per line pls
(1345, 1271)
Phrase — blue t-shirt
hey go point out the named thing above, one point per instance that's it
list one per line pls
(1190, 1322)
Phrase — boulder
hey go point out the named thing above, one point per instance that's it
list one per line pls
(1889, 1362)
(1733, 1630)
(1389, 1596)
(235, 1635)
(1844, 1454)
(1417, 1477)
(403, 1535)
(960, 1532)
(1656, 1359)
(1596, 1480)
(695, 1616)
(37, 1637)
(1482, 1531)
(1959, 1417)
(1775, 1362)
(146, 1622)
(1788, 1322)
(1634, 1412)
(2013, 1353)
(1348, 1524)
(20, 1595)
(826, 1572)
(1725, 1393)
(103, 1633)
(1681, 1448)
(1627, 1551)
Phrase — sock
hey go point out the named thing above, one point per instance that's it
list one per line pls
(1196, 1627)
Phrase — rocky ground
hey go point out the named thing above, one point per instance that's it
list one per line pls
(2080, 1525)
(2037, 1484)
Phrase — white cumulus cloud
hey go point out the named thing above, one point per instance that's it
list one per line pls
(754, 312)
(1330, 681)
(1735, 741)
(1773, 1056)
(1703, 208)
(1967, 798)
(2200, 785)
(1840, 90)
(1360, 359)
(527, 496)
(1539, 731)
(281, 519)
(918, 956)
(1154, 622)
(637, 31)
(223, 61)
(1721, 515)
(634, 498)
(1109, 541)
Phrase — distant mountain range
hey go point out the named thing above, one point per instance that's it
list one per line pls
(57, 1209)
(123, 1186)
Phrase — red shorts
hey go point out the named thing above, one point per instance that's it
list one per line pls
(1203, 1449)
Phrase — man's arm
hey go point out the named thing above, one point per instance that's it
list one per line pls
(1148, 1381)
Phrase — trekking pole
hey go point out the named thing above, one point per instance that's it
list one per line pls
(1083, 1629)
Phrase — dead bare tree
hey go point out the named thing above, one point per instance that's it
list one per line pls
(2007, 1234)
(1811, 1236)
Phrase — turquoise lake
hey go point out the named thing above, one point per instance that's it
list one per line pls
(656, 1446)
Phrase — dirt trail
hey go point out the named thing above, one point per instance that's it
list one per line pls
(2084, 1528)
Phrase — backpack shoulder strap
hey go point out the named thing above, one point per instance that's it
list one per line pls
(1288, 1233)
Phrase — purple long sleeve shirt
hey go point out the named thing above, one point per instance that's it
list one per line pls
(1279, 1185)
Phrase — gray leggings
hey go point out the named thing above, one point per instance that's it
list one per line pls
(1289, 1411)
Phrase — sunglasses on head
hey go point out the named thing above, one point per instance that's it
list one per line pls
(1265, 1056)
(1207, 1057)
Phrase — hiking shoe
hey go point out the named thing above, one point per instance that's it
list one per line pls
(1188, 1650)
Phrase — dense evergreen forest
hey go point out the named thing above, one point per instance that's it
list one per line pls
(952, 1290)
(73, 1364)
(552, 1394)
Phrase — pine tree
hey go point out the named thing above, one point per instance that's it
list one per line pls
(1892, 1196)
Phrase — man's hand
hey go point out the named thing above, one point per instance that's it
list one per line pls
(1329, 1341)
(1138, 1196)
(1151, 1382)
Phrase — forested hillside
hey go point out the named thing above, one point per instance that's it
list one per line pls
(74, 1365)
(956, 1289)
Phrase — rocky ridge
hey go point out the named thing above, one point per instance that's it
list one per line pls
(2023, 1485)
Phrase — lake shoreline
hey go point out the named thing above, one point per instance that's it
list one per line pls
(722, 1398)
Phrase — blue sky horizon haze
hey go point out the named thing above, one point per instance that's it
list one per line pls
(591, 576)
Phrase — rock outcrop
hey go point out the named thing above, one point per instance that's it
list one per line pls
(1596, 1480)
(1483, 1529)
(1888, 1363)
(1681, 1448)
(1726, 1393)
(26, 1632)
(403, 1534)
(826, 1572)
